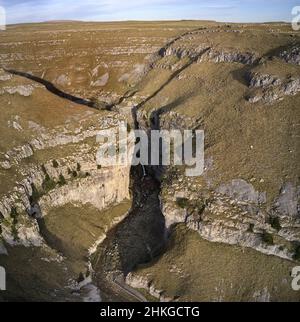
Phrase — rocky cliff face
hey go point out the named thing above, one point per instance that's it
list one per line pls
(236, 214)
(48, 163)
(32, 198)
(238, 83)
(244, 197)
(240, 209)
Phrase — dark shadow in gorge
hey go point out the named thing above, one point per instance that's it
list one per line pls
(139, 237)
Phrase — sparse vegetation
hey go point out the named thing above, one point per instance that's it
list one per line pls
(267, 238)
(200, 206)
(35, 196)
(297, 253)
(62, 180)
(251, 228)
(275, 223)
(14, 215)
(182, 202)
(44, 169)
(237, 268)
(48, 183)
(80, 278)
(206, 95)
(55, 164)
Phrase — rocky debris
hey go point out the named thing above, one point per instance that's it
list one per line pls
(269, 97)
(288, 202)
(5, 165)
(269, 88)
(240, 190)
(164, 119)
(291, 55)
(137, 281)
(102, 81)
(231, 57)
(15, 125)
(138, 71)
(174, 121)
(73, 179)
(142, 282)
(213, 55)
(23, 90)
(236, 214)
(180, 52)
(56, 137)
(262, 295)
(17, 154)
(259, 80)
(292, 87)
(62, 80)
(5, 77)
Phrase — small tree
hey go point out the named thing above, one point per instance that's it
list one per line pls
(14, 215)
(62, 180)
(275, 223)
(48, 184)
(182, 202)
(267, 238)
(297, 253)
(251, 228)
(55, 164)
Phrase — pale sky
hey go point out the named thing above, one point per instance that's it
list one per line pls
(111, 10)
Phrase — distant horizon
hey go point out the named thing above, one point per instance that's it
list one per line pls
(223, 11)
(136, 20)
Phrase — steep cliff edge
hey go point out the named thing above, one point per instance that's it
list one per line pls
(238, 83)
(48, 165)
(249, 193)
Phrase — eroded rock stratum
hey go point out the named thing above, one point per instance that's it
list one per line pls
(91, 233)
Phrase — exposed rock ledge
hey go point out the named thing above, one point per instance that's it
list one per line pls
(291, 55)
(53, 138)
(270, 88)
(213, 55)
(142, 282)
(238, 217)
(47, 186)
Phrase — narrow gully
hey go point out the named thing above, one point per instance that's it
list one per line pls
(141, 236)
(54, 90)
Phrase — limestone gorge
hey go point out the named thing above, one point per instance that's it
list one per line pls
(73, 230)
